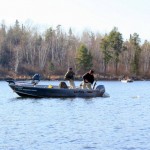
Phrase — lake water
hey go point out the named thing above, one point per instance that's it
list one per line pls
(118, 122)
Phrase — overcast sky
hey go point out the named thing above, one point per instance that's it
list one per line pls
(129, 16)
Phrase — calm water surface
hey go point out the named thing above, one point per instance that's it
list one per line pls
(118, 122)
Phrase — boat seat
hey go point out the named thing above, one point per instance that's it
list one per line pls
(63, 85)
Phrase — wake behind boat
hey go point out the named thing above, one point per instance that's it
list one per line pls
(25, 89)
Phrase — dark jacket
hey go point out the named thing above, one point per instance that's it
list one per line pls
(89, 77)
(69, 75)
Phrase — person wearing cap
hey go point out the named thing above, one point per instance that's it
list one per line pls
(70, 77)
(88, 79)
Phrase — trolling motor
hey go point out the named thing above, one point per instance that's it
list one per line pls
(10, 81)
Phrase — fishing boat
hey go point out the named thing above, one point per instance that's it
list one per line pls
(25, 89)
(126, 80)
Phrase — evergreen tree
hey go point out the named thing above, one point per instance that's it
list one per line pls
(135, 41)
(116, 43)
(84, 59)
(104, 45)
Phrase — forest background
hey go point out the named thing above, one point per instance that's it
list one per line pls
(25, 51)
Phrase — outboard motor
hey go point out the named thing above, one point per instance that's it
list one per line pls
(10, 81)
(101, 88)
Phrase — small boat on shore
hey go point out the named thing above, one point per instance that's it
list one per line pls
(25, 89)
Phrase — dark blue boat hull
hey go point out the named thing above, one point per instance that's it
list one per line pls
(29, 90)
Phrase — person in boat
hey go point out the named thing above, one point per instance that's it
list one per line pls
(70, 77)
(88, 79)
(36, 79)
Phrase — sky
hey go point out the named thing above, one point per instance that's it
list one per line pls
(129, 16)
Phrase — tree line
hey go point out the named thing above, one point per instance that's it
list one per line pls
(24, 51)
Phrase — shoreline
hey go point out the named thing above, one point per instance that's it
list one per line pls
(79, 78)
